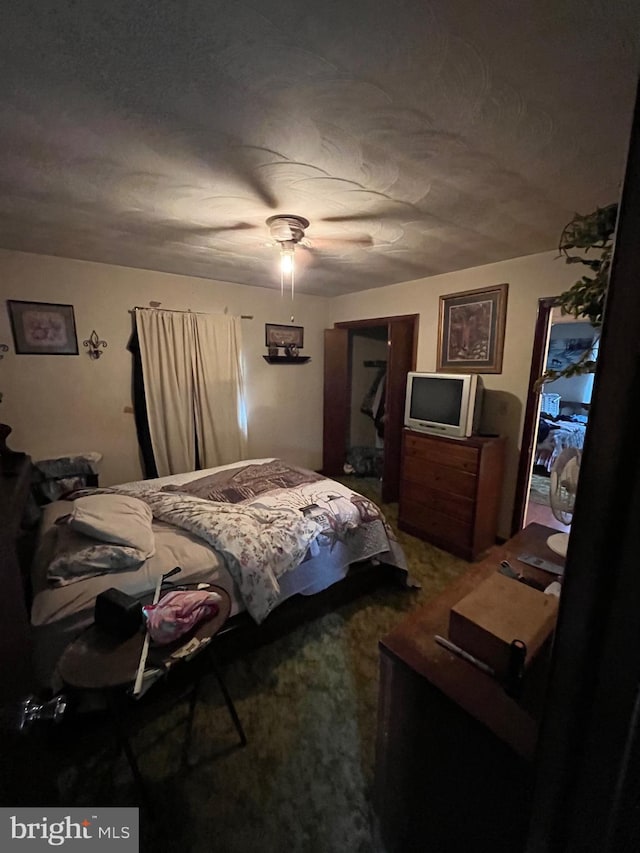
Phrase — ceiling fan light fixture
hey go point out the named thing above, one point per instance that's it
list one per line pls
(286, 256)
(286, 230)
(287, 227)
(287, 267)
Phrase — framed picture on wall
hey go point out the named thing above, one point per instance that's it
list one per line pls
(43, 328)
(471, 330)
(282, 336)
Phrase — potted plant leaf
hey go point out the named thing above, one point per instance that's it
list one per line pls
(586, 240)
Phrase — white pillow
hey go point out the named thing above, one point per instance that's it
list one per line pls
(118, 519)
(78, 557)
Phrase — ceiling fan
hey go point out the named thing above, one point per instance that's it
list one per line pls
(286, 230)
(289, 228)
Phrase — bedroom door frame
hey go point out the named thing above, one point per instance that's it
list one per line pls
(529, 429)
(402, 347)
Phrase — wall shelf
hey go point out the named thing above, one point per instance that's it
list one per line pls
(287, 359)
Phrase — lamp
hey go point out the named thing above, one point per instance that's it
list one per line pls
(285, 231)
(287, 265)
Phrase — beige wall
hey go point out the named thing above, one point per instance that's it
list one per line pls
(529, 278)
(63, 404)
(60, 404)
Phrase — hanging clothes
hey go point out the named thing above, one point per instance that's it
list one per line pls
(373, 403)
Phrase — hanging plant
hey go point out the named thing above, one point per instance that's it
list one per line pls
(593, 233)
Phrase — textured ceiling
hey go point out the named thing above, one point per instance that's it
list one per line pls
(436, 135)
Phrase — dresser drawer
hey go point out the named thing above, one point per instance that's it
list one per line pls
(450, 453)
(440, 477)
(453, 505)
(438, 525)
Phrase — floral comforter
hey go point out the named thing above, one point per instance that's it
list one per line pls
(267, 517)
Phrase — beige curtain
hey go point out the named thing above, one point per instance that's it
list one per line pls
(166, 347)
(192, 368)
(219, 389)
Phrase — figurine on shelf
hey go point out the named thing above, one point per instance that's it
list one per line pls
(292, 350)
(273, 351)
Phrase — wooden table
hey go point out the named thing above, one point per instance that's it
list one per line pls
(454, 751)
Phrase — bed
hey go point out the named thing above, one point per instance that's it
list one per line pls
(554, 434)
(262, 529)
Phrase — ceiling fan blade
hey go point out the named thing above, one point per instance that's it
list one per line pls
(399, 210)
(241, 162)
(326, 243)
(176, 231)
(238, 226)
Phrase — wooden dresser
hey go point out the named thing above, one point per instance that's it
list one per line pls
(454, 752)
(450, 491)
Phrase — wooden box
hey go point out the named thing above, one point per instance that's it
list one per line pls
(499, 610)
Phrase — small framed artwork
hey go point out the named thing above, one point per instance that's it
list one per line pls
(43, 328)
(283, 336)
(471, 330)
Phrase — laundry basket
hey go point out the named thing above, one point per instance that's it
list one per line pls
(550, 404)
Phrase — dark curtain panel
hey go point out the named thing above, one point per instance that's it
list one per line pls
(140, 409)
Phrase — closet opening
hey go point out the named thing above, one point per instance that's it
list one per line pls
(365, 447)
(365, 378)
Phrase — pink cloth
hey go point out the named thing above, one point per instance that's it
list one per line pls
(177, 612)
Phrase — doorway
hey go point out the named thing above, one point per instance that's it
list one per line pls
(366, 366)
(556, 416)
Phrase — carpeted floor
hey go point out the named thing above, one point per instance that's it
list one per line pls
(308, 704)
(539, 491)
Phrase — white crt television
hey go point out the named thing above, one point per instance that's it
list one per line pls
(448, 404)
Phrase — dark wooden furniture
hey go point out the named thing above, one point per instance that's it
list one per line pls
(15, 644)
(454, 751)
(450, 491)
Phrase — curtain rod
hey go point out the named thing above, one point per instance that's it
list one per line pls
(178, 311)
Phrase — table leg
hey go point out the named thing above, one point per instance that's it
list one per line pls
(193, 699)
(113, 703)
(227, 698)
